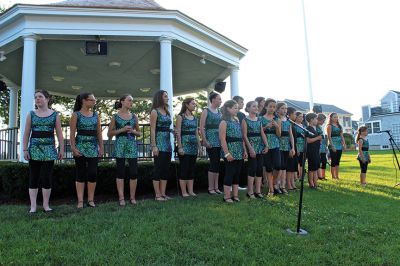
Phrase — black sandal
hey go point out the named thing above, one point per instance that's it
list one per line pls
(259, 195)
(91, 204)
(236, 199)
(210, 192)
(250, 196)
(228, 200)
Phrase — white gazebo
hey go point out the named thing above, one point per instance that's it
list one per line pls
(147, 48)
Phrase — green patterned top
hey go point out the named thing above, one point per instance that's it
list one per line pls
(212, 126)
(234, 139)
(42, 148)
(273, 140)
(299, 139)
(188, 135)
(254, 135)
(336, 138)
(284, 140)
(163, 132)
(125, 144)
(322, 148)
(87, 144)
(365, 148)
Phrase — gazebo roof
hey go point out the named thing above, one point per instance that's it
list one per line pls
(125, 4)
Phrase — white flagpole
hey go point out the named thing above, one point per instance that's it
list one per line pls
(308, 59)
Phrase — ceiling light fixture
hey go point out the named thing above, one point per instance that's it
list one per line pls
(76, 87)
(145, 89)
(203, 59)
(155, 71)
(58, 78)
(2, 56)
(71, 68)
(111, 91)
(114, 64)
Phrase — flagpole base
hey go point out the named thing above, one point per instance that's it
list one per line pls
(301, 232)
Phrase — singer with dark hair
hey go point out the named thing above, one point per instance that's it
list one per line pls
(323, 148)
(124, 126)
(292, 162)
(41, 152)
(160, 137)
(313, 146)
(363, 153)
(336, 143)
(86, 145)
(261, 103)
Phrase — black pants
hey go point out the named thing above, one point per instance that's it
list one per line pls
(40, 172)
(335, 157)
(272, 160)
(313, 160)
(161, 166)
(132, 169)
(363, 167)
(284, 158)
(233, 170)
(255, 166)
(86, 168)
(187, 163)
(215, 157)
(292, 164)
(323, 160)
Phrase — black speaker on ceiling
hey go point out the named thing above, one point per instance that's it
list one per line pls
(317, 109)
(96, 48)
(220, 86)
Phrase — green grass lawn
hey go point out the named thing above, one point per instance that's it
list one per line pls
(347, 224)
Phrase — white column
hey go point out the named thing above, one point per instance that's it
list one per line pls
(27, 85)
(166, 73)
(234, 81)
(13, 108)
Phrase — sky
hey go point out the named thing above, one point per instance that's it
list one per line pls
(354, 46)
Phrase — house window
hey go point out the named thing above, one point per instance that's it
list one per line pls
(396, 132)
(374, 127)
(368, 125)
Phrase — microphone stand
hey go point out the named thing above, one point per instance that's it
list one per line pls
(393, 144)
(300, 231)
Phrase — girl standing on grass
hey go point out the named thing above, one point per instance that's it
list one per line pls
(231, 137)
(188, 145)
(363, 154)
(125, 127)
(323, 148)
(160, 134)
(336, 143)
(209, 124)
(86, 146)
(272, 129)
(41, 153)
(286, 144)
(300, 141)
(257, 146)
(313, 146)
(292, 162)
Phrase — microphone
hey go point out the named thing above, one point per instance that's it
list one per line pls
(303, 128)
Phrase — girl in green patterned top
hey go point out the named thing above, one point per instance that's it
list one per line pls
(336, 143)
(39, 133)
(300, 141)
(272, 129)
(231, 137)
(323, 148)
(286, 144)
(209, 123)
(160, 134)
(257, 146)
(125, 126)
(188, 145)
(363, 154)
(86, 146)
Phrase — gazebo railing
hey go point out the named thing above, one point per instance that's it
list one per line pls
(9, 144)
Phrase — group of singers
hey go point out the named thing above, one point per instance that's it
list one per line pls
(272, 137)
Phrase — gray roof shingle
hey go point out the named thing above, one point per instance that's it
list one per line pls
(129, 4)
(304, 106)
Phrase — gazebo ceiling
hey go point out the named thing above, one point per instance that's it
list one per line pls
(135, 4)
(130, 67)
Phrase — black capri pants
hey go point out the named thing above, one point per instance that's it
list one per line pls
(292, 164)
(284, 158)
(233, 170)
(363, 167)
(335, 157)
(187, 163)
(272, 160)
(161, 165)
(214, 154)
(255, 166)
(313, 160)
(323, 160)
(132, 168)
(86, 168)
(40, 172)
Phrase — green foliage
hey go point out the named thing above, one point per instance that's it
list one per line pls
(348, 139)
(201, 100)
(348, 225)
